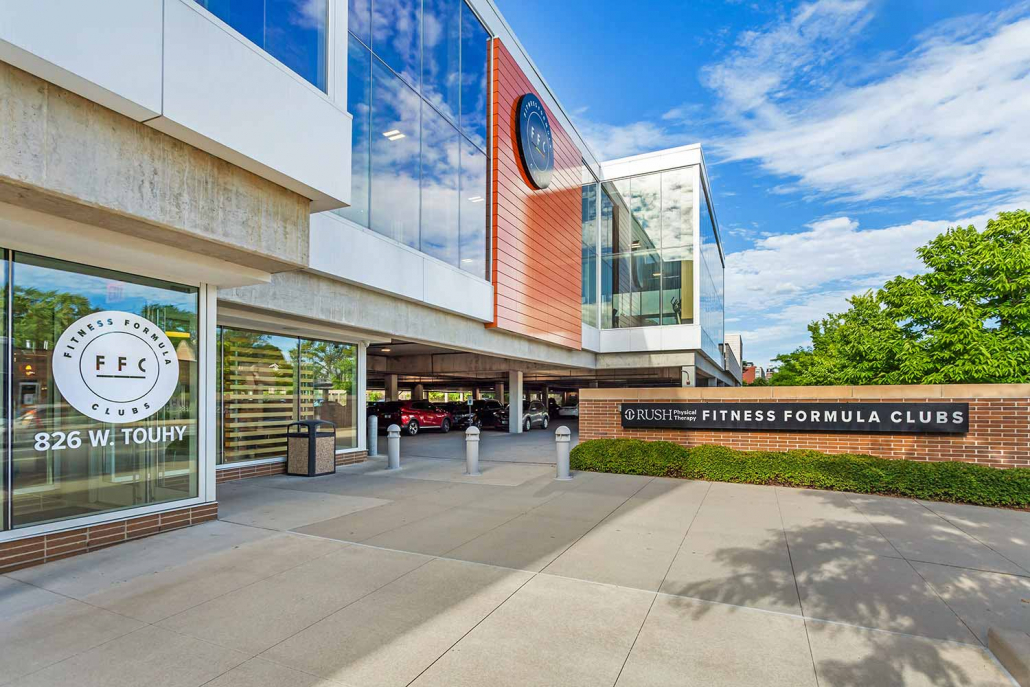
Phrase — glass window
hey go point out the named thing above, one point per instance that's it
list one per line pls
(678, 207)
(617, 221)
(290, 31)
(440, 200)
(646, 206)
(678, 286)
(396, 133)
(328, 387)
(397, 36)
(359, 19)
(473, 248)
(3, 381)
(441, 76)
(359, 99)
(258, 394)
(68, 371)
(475, 60)
(589, 255)
(712, 296)
(647, 285)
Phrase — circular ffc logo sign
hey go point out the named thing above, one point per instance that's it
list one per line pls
(535, 143)
(115, 366)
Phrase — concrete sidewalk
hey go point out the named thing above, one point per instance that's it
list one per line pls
(428, 577)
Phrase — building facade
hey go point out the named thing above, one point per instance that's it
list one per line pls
(219, 217)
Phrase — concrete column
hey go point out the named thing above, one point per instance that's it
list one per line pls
(477, 394)
(499, 391)
(418, 393)
(391, 387)
(547, 397)
(689, 375)
(515, 395)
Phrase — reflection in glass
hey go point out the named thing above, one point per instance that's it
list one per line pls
(440, 200)
(291, 31)
(359, 98)
(646, 206)
(397, 36)
(474, 90)
(441, 77)
(712, 295)
(473, 248)
(589, 256)
(258, 394)
(677, 286)
(616, 220)
(359, 19)
(678, 207)
(396, 133)
(56, 476)
(328, 387)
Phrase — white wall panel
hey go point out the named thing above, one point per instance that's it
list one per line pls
(108, 51)
(225, 95)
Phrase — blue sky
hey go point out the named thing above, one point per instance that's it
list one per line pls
(840, 134)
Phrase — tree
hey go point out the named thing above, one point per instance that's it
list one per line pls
(966, 320)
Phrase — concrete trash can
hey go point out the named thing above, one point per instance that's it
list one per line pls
(310, 448)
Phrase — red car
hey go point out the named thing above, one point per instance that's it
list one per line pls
(413, 416)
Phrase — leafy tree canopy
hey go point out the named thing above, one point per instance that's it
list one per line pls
(966, 320)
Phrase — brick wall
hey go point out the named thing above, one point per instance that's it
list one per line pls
(21, 553)
(231, 474)
(536, 234)
(999, 421)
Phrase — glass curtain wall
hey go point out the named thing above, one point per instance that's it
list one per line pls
(418, 89)
(292, 32)
(712, 283)
(64, 463)
(590, 252)
(268, 381)
(647, 239)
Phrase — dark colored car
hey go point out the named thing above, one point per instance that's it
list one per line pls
(534, 414)
(463, 414)
(413, 416)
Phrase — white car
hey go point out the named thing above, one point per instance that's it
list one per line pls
(568, 411)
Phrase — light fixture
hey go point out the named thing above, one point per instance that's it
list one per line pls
(385, 350)
(466, 259)
(393, 135)
(476, 199)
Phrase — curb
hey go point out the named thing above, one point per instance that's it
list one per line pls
(1012, 649)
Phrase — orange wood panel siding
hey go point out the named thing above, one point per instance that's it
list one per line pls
(536, 234)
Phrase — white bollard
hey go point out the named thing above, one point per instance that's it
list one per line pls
(563, 441)
(372, 439)
(472, 452)
(393, 447)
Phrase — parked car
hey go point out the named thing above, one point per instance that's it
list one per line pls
(568, 411)
(413, 416)
(534, 414)
(463, 414)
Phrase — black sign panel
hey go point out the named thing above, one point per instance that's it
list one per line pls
(889, 418)
(536, 147)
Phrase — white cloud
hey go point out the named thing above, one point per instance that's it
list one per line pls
(788, 280)
(612, 141)
(949, 120)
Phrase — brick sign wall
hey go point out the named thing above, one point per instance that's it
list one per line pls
(998, 423)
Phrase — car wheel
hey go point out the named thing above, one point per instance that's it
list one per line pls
(413, 428)
(446, 426)
(527, 425)
(546, 422)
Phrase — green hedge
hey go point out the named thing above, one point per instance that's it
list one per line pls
(943, 481)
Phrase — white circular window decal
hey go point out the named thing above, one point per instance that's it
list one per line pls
(115, 366)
